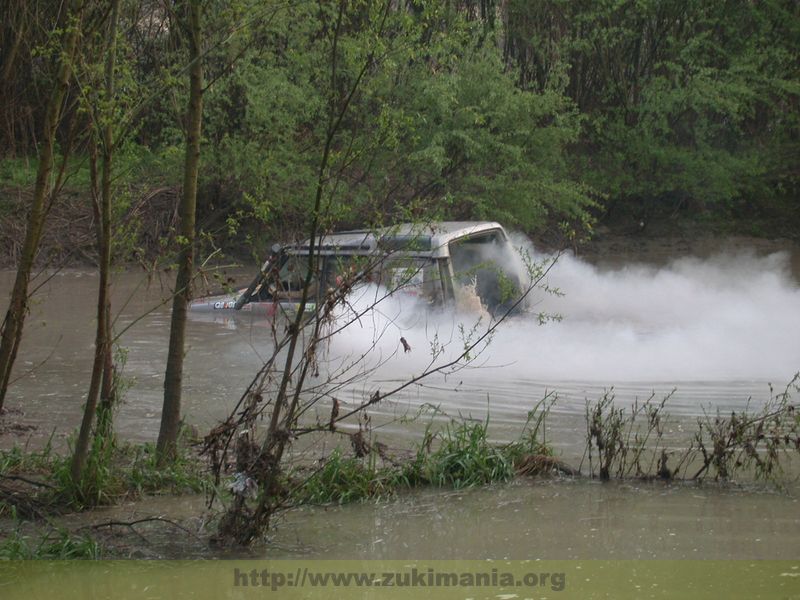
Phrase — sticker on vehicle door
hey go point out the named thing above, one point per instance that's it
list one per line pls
(224, 304)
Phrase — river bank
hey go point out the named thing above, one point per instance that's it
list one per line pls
(68, 241)
(719, 329)
(544, 519)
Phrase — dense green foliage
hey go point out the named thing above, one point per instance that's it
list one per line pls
(530, 113)
(436, 123)
(685, 102)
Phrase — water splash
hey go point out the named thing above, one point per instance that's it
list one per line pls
(731, 317)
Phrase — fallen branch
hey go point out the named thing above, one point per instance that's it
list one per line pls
(132, 525)
(29, 481)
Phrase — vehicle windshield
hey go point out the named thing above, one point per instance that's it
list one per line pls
(480, 264)
(409, 275)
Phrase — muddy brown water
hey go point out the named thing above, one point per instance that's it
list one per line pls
(713, 331)
(527, 519)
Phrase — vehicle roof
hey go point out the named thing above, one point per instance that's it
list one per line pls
(419, 239)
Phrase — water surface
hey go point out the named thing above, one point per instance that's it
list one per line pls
(714, 333)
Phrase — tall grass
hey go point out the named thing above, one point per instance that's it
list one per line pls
(346, 479)
(186, 474)
(21, 460)
(113, 471)
(57, 545)
(458, 456)
(464, 458)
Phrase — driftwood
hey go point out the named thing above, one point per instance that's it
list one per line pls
(27, 503)
(540, 464)
(132, 524)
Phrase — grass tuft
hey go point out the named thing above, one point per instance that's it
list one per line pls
(458, 456)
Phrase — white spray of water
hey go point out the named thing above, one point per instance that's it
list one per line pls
(732, 317)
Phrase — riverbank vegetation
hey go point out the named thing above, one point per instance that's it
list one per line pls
(36, 484)
(168, 132)
(633, 443)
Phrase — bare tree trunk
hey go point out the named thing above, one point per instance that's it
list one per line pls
(102, 353)
(18, 304)
(10, 58)
(17, 22)
(173, 378)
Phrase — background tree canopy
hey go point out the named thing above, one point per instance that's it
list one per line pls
(530, 113)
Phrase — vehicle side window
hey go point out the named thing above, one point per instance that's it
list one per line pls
(286, 282)
(413, 276)
(339, 269)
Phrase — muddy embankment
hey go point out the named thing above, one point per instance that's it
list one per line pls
(149, 222)
(69, 238)
(609, 247)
